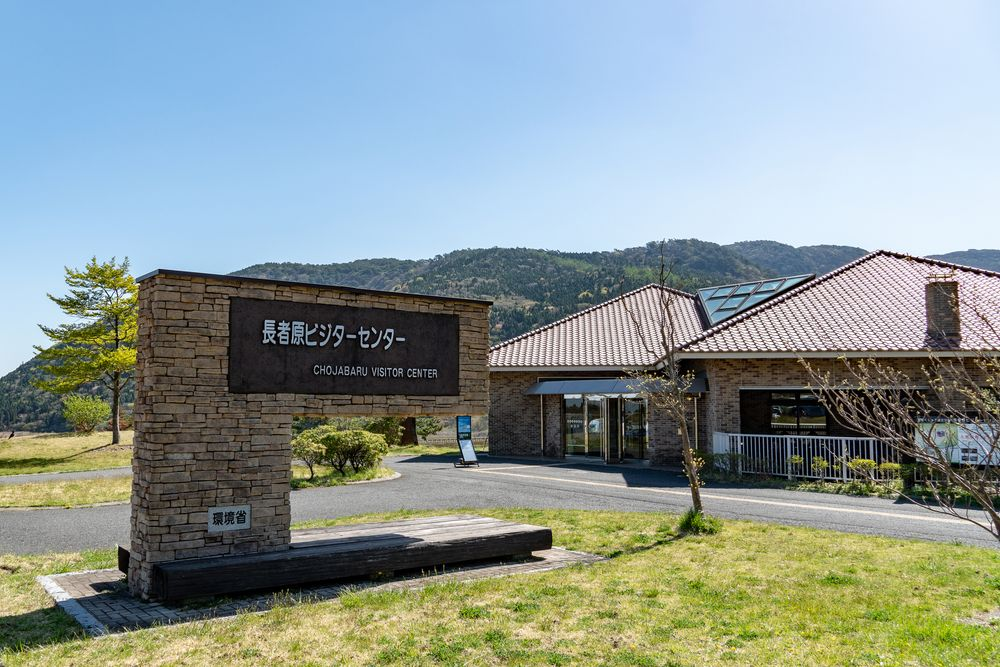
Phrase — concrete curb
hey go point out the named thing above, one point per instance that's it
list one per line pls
(394, 475)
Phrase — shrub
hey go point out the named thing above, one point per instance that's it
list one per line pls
(724, 465)
(699, 523)
(326, 444)
(391, 428)
(890, 470)
(862, 467)
(819, 465)
(307, 448)
(366, 450)
(84, 413)
(336, 450)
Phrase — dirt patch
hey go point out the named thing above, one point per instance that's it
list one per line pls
(988, 619)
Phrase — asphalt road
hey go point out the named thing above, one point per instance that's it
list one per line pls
(433, 483)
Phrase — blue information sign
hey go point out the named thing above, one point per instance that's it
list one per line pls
(463, 425)
(463, 429)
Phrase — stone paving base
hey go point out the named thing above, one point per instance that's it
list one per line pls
(100, 602)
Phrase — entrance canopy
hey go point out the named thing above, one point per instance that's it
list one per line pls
(606, 386)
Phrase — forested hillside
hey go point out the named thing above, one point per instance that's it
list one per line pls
(529, 288)
(785, 260)
(983, 259)
(27, 408)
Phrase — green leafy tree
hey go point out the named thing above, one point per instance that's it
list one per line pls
(428, 426)
(100, 345)
(85, 413)
(388, 427)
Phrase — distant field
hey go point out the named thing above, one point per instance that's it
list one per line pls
(74, 493)
(63, 452)
(69, 452)
(754, 594)
(71, 493)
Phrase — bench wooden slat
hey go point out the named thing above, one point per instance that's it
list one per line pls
(343, 552)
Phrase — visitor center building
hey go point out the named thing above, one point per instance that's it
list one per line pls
(566, 389)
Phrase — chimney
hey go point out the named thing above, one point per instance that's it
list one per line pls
(943, 321)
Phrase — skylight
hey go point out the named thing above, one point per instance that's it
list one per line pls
(722, 302)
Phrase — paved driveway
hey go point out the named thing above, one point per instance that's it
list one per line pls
(433, 483)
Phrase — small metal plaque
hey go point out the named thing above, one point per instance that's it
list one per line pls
(233, 517)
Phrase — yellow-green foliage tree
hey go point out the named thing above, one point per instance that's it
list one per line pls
(85, 413)
(100, 345)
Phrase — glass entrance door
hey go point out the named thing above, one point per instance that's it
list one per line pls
(634, 428)
(612, 429)
(574, 424)
(595, 426)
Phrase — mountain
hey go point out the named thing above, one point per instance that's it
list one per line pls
(779, 259)
(983, 259)
(27, 408)
(529, 288)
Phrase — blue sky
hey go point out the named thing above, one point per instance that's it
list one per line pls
(211, 136)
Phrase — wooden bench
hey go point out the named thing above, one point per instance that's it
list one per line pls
(352, 551)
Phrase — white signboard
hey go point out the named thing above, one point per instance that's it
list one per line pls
(468, 451)
(963, 442)
(233, 517)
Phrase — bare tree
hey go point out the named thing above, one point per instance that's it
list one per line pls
(945, 418)
(665, 385)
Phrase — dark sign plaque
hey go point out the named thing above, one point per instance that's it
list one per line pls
(309, 348)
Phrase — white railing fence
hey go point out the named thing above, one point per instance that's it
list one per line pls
(802, 456)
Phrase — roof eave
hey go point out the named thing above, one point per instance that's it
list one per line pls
(835, 354)
(573, 369)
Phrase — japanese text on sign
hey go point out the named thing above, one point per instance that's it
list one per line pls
(281, 332)
(236, 517)
(295, 347)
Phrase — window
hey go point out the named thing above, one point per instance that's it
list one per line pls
(797, 413)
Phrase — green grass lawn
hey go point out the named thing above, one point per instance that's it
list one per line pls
(66, 494)
(424, 449)
(119, 489)
(754, 594)
(63, 452)
(326, 476)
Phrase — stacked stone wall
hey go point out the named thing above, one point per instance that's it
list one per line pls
(198, 446)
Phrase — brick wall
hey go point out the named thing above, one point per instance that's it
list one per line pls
(199, 446)
(515, 423)
(727, 376)
(515, 426)
(515, 419)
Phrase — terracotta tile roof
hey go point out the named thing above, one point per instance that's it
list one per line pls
(874, 304)
(603, 336)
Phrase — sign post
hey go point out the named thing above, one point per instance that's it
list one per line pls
(463, 431)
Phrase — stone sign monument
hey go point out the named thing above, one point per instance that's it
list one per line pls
(225, 363)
